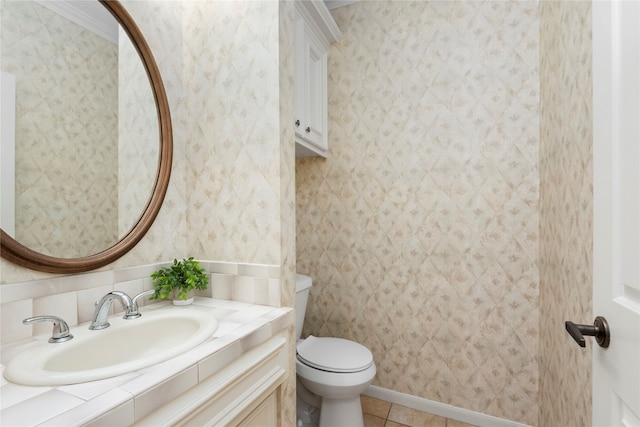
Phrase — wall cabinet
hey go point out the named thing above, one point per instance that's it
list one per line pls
(315, 30)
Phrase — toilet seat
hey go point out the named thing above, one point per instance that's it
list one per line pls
(334, 354)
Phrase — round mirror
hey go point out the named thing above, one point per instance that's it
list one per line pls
(82, 111)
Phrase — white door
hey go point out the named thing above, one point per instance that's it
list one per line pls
(616, 190)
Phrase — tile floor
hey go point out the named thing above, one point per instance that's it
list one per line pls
(379, 413)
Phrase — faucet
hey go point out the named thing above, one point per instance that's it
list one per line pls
(101, 314)
(133, 313)
(60, 327)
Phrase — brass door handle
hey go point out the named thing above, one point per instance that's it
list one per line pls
(599, 330)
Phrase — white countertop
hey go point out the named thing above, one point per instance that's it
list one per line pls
(241, 327)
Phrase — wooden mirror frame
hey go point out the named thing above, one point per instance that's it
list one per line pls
(21, 255)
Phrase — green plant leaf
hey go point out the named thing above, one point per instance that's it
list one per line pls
(183, 276)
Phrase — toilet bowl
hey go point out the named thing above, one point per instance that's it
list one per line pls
(335, 369)
(338, 371)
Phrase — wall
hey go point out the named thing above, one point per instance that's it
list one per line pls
(62, 205)
(161, 24)
(231, 66)
(137, 125)
(239, 83)
(566, 209)
(73, 297)
(420, 230)
(231, 194)
(225, 199)
(287, 196)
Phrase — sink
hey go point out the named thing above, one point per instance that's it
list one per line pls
(126, 346)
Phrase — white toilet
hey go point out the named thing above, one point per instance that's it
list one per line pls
(335, 369)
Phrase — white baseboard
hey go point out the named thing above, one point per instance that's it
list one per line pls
(441, 409)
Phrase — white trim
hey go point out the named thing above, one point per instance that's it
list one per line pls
(90, 15)
(334, 4)
(437, 408)
(616, 108)
(8, 153)
(317, 16)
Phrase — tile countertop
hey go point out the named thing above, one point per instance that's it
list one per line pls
(241, 327)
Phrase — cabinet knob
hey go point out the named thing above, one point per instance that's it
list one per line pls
(308, 129)
(297, 123)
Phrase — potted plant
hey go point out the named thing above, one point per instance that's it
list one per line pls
(178, 281)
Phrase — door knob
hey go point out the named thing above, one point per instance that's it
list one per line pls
(599, 330)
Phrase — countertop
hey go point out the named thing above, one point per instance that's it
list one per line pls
(241, 327)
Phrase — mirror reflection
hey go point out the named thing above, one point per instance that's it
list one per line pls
(84, 142)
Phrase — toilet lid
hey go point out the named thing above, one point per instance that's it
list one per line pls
(334, 354)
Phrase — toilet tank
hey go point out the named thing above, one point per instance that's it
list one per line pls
(303, 285)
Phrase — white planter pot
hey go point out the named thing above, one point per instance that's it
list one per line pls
(179, 301)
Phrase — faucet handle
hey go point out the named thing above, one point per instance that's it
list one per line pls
(133, 313)
(60, 328)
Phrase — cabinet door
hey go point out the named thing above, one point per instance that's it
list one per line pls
(311, 87)
(301, 77)
(264, 415)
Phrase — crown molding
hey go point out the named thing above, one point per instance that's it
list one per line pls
(88, 14)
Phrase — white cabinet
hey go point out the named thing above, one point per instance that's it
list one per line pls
(243, 393)
(266, 414)
(315, 31)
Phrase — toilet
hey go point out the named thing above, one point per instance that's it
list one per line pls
(334, 369)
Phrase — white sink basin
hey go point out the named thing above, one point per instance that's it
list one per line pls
(126, 346)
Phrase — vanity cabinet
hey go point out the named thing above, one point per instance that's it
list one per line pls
(244, 393)
(315, 30)
(266, 414)
(234, 378)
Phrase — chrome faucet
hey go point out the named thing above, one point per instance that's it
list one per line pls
(60, 328)
(133, 312)
(101, 314)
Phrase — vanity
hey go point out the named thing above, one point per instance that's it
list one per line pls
(232, 378)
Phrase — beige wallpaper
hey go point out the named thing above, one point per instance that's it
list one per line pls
(566, 205)
(161, 23)
(420, 230)
(231, 70)
(137, 133)
(231, 194)
(226, 200)
(66, 131)
(287, 193)
(240, 179)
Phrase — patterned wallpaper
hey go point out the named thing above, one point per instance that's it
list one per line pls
(161, 23)
(231, 194)
(287, 193)
(566, 177)
(231, 74)
(240, 178)
(66, 99)
(227, 198)
(420, 230)
(137, 133)
(209, 72)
